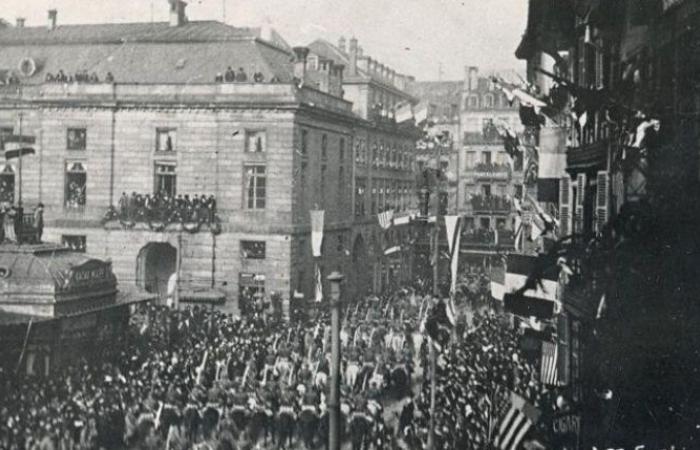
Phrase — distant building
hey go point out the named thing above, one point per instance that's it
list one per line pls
(482, 179)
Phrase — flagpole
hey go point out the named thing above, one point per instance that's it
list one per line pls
(436, 293)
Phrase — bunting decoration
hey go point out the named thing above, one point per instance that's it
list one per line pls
(453, 226)
(318, 281)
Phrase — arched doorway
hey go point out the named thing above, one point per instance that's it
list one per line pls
(361, 266)
(156, 262)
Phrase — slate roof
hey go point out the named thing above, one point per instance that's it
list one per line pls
(146, 52)
(439, 92)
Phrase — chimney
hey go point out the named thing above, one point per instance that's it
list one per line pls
(472, 78)
(353, 57)
(341, 44)
(300, 55)
(177, 13)
(20, 22)
(53, 16)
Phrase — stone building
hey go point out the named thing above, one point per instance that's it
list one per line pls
(191, 109)
(384, 159)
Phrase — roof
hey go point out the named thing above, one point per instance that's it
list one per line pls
(437, 92)
(37, 264)
(146, 52)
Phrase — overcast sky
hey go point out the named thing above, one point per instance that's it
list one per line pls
(416, 37)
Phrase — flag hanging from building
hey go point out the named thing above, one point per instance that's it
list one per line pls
(421, 115)
(316, 232)
(403, 112)
(552, 163)
(386, 218)
(548, 364)
(453, 228)
(517, 422)
(318, 281)
(537, 301)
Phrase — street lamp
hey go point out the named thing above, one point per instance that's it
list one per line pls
(335, 279)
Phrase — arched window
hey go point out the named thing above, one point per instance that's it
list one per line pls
(471, 102)
(488, 101)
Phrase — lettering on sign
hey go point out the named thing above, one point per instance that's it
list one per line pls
(567, 424)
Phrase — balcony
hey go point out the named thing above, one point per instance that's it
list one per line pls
(483, 238)
(472, 138)
(491, 204)
(491, 171)
(161, 212)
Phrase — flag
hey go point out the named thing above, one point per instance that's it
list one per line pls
(421, 115)
(453, 230)
(548, 364)
(200, 369)
(535, 301)
(316, 232)
(498, 281)
(403, 112)
(518, 233)
(518, 420)
(385, 219)
(601, 308)
(319, 284)
(551, 163)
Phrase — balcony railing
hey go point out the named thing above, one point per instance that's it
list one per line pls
(490, 203)
(161, 211)
(489, 170)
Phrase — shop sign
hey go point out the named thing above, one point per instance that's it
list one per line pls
(567, 424)
(91, 273)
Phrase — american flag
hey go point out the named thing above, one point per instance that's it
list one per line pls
(385, 219)
(516, 423)
(548, 366)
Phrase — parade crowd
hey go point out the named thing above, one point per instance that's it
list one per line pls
(199, 378)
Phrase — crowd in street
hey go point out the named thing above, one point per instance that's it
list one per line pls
(199, 378)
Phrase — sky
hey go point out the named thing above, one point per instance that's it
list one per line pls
(429, 39)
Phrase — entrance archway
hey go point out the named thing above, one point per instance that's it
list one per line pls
(156, 262)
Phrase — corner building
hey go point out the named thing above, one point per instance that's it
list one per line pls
(154, 110)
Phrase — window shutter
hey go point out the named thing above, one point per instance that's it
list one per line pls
(602, 206)
(580, 201)
(565, 206)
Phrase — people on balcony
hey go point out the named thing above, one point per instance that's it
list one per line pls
(165, 208)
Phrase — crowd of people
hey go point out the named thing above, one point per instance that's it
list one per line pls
(166, 208)
(200, 378)
(240, 76)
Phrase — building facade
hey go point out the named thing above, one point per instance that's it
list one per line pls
(383, 175)
(203, 162)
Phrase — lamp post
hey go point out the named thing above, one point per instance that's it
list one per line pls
(335, 279)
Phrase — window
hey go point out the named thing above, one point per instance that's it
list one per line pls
(470, 160)
(485, 157)
(255, 141)
(165, 179)
(500, 223)
(486, 190)
(255, 184)
(250, 286)
(166, 139)
(304, 142)
(76, 181)
(7, 184)
(473, 101)
(518, 191)
(253, 249)
(374, 155)
(485, 223)
(5, 131)
(341, 182)
(324, 147)
(341, 150)
(75, 242)
(488, 101)
(360, 191)
(76, 139)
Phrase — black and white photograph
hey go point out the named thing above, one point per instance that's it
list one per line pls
(350, 224)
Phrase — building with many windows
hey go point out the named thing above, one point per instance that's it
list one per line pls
(198, 149)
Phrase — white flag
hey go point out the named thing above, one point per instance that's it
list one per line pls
(316, 232)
